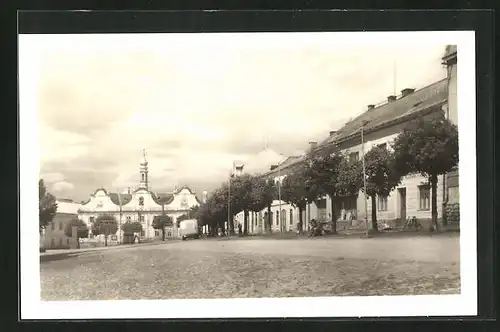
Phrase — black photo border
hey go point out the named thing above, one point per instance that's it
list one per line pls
(481, 21)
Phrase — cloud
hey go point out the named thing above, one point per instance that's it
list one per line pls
(198, 105)
(62, 187)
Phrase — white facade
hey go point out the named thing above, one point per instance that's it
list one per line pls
(141, 205)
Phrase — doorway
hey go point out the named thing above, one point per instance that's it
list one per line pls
(402, 204)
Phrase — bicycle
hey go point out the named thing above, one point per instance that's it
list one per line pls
(412, 222)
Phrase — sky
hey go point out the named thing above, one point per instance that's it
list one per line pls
(198, 102)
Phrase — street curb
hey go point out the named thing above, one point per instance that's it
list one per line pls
(48, 257)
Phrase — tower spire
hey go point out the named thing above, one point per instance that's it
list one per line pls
(144, 171)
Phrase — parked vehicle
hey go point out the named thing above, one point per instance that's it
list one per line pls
(188, 229)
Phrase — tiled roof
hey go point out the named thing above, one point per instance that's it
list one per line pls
(450, 50)
(287, 163)
(415, 102)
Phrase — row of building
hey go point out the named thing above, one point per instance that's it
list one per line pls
(138, 205)
(381, 123)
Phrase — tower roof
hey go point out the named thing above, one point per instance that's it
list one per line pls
(144, 162)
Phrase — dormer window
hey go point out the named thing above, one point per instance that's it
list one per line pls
(141, 201)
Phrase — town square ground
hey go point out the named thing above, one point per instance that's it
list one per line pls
(258, 267)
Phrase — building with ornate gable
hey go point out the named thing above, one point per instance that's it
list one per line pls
(139, 205)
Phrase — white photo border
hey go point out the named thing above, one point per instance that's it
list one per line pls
(464, 304)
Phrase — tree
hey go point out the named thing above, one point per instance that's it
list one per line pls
(333, 175)
(81, 229)
(105, 224)
(295, 192)
(381, 176)
(47, 206)
(261, 195)
(162, 221)
(241, 197)
(269, 195)
(429, 146)
(131, 227)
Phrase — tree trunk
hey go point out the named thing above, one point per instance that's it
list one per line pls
(77, 242)
(334, 217)
(301, 221)
(163, 234)
(105, 240)
(269, 219)
(374, 213)
(434, 212)
(245, 222)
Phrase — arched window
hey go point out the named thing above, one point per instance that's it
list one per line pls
(291, 217)
(142, 176)
(277, 218)
(283, 217)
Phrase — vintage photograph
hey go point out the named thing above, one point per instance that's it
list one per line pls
(247, 166)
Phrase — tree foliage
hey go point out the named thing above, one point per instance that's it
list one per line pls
(105, 224)
(161, 222)
(427, 145)
(381, 176)
(333, 175)
(82, 230)
(295, 192)
(47, 206)
(131, 227)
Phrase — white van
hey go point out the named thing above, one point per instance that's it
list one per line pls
(189, 229)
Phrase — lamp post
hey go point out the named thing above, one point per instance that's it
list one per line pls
(229, 201)
(119, 218)
(364, 174)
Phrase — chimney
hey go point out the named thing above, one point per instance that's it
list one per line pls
(313, 145)
(391, 99)
(370, 107)
(332, 132)
(406, 92)
(273, 167)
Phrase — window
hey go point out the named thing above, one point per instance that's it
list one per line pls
(60, 241)
(143, 233)
(129, 218)
(283, 217)
(157, 232)
(52, 243)
(60, 226)
(142, 176)
(424, 197)
(354, 156)
(92, 219)
(141, 201)
(142, 219)
(382, 203)
(53, 225)
(67, 241)
(291, 217)
(277, 218)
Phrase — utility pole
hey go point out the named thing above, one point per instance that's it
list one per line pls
(279, 197)
(364, 175)
(229, 203)
(120, 218)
